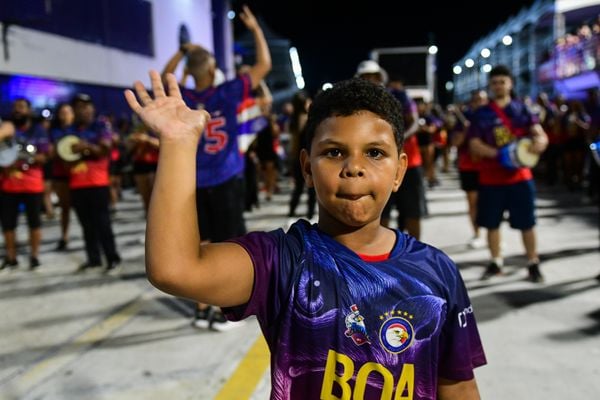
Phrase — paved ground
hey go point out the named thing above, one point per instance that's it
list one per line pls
(94, 336)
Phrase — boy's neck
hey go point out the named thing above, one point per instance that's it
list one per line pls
(370, 239)
(502, 101)
(202, 84)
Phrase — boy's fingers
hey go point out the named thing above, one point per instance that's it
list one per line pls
(142, 93)
(173, 86)
(132, 101)
(157, 85)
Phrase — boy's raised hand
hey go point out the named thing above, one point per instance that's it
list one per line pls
(167, 114)
(248, 18)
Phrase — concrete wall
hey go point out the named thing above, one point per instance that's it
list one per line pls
(46, 55)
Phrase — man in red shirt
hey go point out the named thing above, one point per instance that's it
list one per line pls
(493, 126)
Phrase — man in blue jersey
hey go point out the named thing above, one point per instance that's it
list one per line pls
(219, 162)
(348, 307)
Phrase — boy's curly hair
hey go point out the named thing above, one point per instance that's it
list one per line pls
(351, 96)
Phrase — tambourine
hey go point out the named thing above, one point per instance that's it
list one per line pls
(595, 149)
(11, 151)
(517, 155)
(64, 148)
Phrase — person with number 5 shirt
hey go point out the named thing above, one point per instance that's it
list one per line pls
(219, 162)
(494, 126)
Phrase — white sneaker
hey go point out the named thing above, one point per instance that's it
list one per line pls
(476, 242)
(201, 318)
(218, 322)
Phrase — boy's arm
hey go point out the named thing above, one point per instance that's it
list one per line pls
(220, 274)
(176, 59)
(457, 390)
(262, 66)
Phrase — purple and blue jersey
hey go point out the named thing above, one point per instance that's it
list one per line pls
(340, 326)
(487, 125)
(218, 158)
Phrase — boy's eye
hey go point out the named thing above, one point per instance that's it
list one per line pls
(374, 153)
(333, 152)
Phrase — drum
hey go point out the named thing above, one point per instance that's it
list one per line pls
(9, 152)
(517, 155)
(64, 148)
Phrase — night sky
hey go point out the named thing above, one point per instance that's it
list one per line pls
(332, 37)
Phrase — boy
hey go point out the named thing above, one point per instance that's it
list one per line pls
(220, 164)
(347, 306)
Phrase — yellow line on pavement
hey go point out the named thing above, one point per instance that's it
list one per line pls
(246, 377)
(72, 350)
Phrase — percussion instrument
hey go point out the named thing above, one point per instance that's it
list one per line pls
(12, 150)
(517, 155)
(64, 148)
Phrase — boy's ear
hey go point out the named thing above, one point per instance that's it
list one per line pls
(402, 166)
(306, 168)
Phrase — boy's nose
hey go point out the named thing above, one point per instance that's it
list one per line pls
(353, 168)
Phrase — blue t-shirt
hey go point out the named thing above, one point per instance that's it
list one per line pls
(337, 324)
(218, 158)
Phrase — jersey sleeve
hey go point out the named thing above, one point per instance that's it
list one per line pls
(474, 130)
(273, 256)
(461, 349)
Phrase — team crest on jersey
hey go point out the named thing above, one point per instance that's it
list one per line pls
(355, 327)
(396, 334)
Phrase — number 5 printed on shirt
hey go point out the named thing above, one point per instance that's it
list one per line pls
(215, 138)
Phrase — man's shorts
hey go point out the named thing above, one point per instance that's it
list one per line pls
(517, 198)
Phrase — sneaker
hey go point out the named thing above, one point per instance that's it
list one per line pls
(33, 263)
(201, 318)
(113, 267)
(218, 322)
(534, 273)
(61, 245)
(87, 265)
(491, 270)
(12, 264)
(476, 242)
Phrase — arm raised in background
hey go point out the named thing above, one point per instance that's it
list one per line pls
(220, 274)
(174, 61)
(262, 66)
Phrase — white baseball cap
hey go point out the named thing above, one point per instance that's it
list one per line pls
(368, 67)
(371, 67)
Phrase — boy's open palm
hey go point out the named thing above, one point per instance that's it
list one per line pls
(166, 113)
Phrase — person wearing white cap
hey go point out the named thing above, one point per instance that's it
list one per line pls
(372, 71)
(409, 200)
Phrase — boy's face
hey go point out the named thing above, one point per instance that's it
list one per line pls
(354, 165)
(501, 85)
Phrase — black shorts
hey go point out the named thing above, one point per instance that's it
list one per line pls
(140, 168)
(469, 181)
(424, 138)
(221, 210)
(517, 198)
(9, 212)
(410, 198)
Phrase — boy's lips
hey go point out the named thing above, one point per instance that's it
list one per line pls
(350, 196)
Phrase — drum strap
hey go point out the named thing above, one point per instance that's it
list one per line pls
(503, 117)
